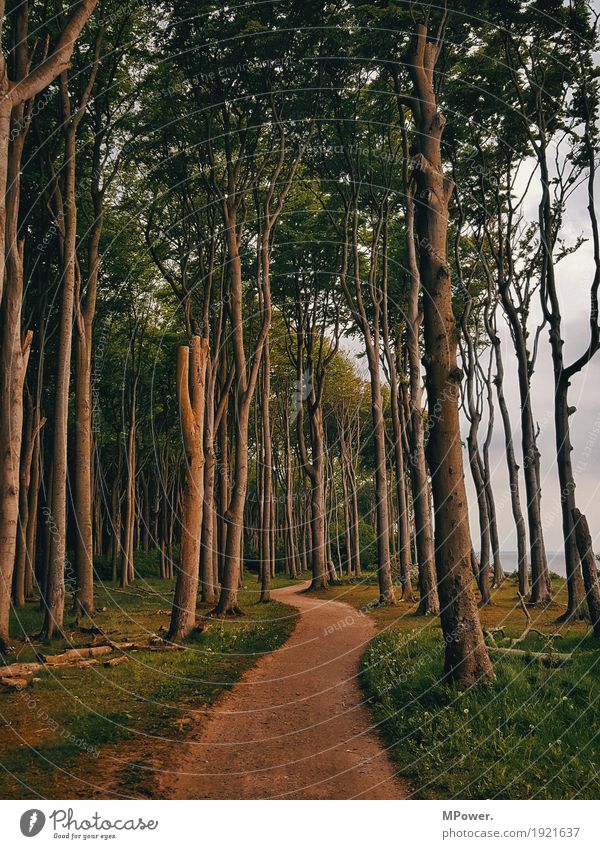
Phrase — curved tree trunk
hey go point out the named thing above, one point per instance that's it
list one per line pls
(513, 473)
(540, 578)
(466, 660)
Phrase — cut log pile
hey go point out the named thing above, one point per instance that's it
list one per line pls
(17, 676)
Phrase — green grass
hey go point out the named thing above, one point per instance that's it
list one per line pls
(532, 734)
(55, 735)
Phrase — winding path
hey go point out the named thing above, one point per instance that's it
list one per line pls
(295, 726)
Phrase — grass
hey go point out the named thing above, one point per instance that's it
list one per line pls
(529, 734)
(57, 736)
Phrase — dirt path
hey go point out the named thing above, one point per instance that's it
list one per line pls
(295, 726)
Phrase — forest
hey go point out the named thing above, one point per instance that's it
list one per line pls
(281, 284)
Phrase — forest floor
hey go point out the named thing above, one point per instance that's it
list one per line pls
(533, 733)
(293, 720)
(86, 733)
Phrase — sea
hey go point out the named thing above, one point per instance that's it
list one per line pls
(556, 561)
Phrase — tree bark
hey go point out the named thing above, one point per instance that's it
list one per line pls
(429, 602)
(583, 540)
(466, 657)
(191, 384)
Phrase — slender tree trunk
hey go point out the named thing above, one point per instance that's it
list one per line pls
(475, 462)
(384, 572)
(24, 478)
(116, 525)
(497, 571)
(403, 517)
(32, 523)
(291, 528)
(14, 356)
(355, 528)
(540, 578)
(245, 386)
(84, 560)
(55, 599)
(127, 561)
(429, 601)
(314, 473)
(207, 585)
(267, 478)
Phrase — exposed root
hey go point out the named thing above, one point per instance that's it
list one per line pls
(228, 612)
(316, 587)
(386, 601)
(577, 615)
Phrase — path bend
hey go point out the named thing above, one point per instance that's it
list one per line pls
(295, 726)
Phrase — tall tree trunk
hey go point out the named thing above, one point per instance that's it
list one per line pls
(291, 528)
(65, 202)
(207, 585)
(562, 410)
(384, 572)
(84, 555)
(191, 383)
(127, 560)
(429, 601)
(540, 578)
(23, 567)
(245, 384)
(497, 571)
(466, 660)
(513, 473)
(14, 355)
(267, 478)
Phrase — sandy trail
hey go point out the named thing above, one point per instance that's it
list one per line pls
(295, 726)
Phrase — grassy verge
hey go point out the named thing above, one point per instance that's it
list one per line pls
(530, 734)
(55, 735)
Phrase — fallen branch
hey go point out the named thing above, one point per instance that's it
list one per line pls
(115, 661)
(547, 658)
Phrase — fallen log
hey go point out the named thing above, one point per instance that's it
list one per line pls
(9, 685)
(74, 654)
(144, 646)
(17, 670)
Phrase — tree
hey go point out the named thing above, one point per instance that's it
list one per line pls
(466, 660)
